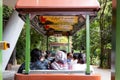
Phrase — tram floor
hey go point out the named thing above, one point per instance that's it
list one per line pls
(105, 73)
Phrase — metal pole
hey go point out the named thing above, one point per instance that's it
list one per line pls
(68, 43)
(117, 59)
(47, 42)
(113, 53)
(1, 31)
(87, 45)
(27, 56)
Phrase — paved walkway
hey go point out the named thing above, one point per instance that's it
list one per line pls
(105, 73)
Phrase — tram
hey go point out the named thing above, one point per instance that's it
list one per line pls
(57, 17)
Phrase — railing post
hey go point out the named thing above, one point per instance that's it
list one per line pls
(1, 31)
(68, 43)
(47, 42)
(117, 55)
(27, 54)
(87, 45)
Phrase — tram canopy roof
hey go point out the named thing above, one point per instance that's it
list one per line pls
(57, 5)
(51, 17)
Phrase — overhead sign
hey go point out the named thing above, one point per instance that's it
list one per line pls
(63, 20)
(58, 44)
(59, 27)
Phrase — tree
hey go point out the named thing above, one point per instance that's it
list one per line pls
(20, 48)
(79, 40)
(100, 34)
(7, 11)
(37, 41)
(94, 42)
(105, 20)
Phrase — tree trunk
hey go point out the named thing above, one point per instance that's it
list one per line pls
(102, 35)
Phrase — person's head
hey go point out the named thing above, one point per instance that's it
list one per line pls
(64, 51)
(69, 55)
(75, 56)
(81, 58)
(48, 54)
(60, 57)
(35, 55)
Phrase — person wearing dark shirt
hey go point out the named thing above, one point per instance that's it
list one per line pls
(37, 61)
(81, 58)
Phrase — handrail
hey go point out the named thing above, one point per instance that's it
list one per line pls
(57, 71)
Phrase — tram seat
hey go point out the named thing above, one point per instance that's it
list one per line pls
(56, 75)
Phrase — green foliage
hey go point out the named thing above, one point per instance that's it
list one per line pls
(105, 22)
(52, 39)
(20, 48)
(62, 39)
(37, 41)
(79, 40)
(7, 11)
(100, 34)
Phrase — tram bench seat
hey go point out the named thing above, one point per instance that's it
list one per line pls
(56, 76)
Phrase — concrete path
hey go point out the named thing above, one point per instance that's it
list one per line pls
(105, 73)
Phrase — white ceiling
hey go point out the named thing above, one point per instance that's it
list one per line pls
(10, 3)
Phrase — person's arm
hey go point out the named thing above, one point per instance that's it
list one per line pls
(21, 68)
(55, 66)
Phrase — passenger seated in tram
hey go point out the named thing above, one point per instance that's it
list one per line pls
(64, 51)
(81, 58)
(72, 60)
(48, 56)
(37, 61)
(69, 57)
(60, 62)
(81, 64)
(75, 59)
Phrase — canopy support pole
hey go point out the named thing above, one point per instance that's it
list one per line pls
(117, 55)
(87, 45)
(68, 43)
(1, 31)
(27, 55)
(47, 42)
